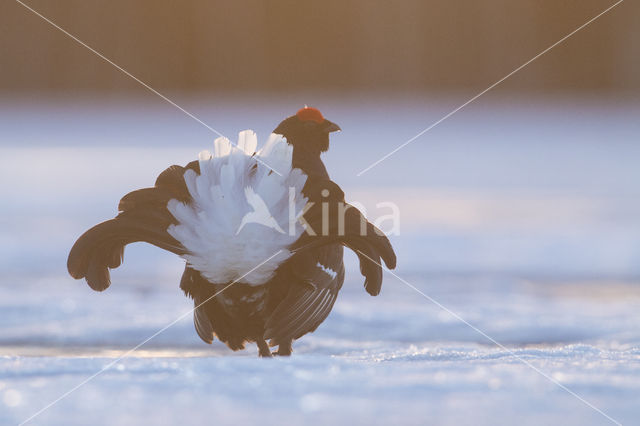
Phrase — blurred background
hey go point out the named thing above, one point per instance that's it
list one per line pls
(419, 47)
(552, 150)
(521, 212)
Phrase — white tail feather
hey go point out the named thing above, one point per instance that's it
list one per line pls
(227, 234)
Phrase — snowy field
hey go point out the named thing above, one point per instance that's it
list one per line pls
(519, 229)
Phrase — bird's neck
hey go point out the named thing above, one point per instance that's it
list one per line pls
(309, 162)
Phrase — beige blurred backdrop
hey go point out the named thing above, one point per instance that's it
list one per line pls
(333, 46)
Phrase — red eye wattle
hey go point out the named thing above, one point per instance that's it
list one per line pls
(310, 114)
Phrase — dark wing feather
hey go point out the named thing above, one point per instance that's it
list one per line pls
(189, 285)
(143, 217)
(209, 318)
(301, 312)
(202, 323)
(312, 293)
(346, 226)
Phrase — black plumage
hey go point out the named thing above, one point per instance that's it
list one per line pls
(303, 289)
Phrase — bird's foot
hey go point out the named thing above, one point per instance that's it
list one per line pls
(284, 349)
(263, 349)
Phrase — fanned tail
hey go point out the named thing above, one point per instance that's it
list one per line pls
(144, 217)
(102, 247)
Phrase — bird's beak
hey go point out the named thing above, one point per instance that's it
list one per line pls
(331, 127)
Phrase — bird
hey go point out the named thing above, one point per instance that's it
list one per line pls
(262, 233)
(260, 213)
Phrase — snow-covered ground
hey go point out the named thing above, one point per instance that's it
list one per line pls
(522, 220)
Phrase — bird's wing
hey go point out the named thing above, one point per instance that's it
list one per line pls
(189, 285)
(143, 217)
(315, 277)
(209, 318)
(315, 272)
(349, 227)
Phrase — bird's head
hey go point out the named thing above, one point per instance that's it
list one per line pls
(307, 129)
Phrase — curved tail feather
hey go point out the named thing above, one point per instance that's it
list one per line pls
(144, 218)
(356, 233)
(102, 247)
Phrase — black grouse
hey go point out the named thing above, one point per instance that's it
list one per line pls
(262, 233)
